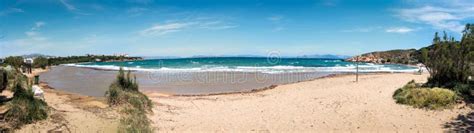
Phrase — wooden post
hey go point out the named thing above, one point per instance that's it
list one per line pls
(357, 68)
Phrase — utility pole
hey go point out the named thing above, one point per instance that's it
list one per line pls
(357, 68)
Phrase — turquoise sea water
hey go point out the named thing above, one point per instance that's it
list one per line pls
(247, 64)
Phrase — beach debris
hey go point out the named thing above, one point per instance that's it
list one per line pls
(38, 92)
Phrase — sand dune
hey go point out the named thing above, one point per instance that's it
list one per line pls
(335, 104)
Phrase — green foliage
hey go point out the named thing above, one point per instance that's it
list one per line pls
(124, 91)
(126, 82)
(40, 62)
(136, 121)
(431, 98)
(448, 61)
(88, 58)
(24, 108)
(3, 80)
(14, 61)
(463, 90)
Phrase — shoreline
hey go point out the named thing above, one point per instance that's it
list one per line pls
(92, 82)
(151, 93)
(272, 108)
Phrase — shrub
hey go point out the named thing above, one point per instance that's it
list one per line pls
(3, 80)
(124, 92)
(14, 61)
(40, 62)
(135, 121)
(24, 108)
(462, 89)
(431, 98)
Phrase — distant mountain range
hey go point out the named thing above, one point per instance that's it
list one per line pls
(160, 57)
(325, 56)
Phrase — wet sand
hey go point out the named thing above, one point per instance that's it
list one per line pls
(93, 82)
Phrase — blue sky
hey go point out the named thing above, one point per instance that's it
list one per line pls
(217, 27)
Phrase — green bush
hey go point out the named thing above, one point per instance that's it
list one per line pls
(14, 61)
(135, 121)
(124, 92)
(462, 89)
(24, 108)
(40, 62)
(3, 80)
(431, 98)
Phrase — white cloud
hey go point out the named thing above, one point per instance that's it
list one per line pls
(33, 33)
(445, 16)
(35, 36)
(73, 8)
(275, 18)
(162, 29)
(67, 5)
(214, 25)
(277, 22)
(399, 30)
(10, 11)
(276, 29)
(38, 25)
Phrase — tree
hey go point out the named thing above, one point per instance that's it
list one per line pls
(448, 61)
(14, 61)
(40, 62)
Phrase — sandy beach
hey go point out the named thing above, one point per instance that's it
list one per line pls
(334, 104)
(331, 104)
(75, 113)
(72, 112)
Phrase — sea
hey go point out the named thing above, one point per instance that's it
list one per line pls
(248, 64)
(204, 76)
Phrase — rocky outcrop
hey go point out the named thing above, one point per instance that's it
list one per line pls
(400, 56)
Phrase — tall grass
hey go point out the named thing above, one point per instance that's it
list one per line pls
(24, 108)
(124, 92)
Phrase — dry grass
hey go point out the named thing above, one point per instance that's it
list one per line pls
(419, 97)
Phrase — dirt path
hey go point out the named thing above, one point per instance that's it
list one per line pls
(75, 113)
(335, 104)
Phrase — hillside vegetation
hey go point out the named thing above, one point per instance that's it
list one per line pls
(449, 63)
(24, 107)
(399, 56)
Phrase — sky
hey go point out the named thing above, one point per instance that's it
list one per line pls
(225, 27)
